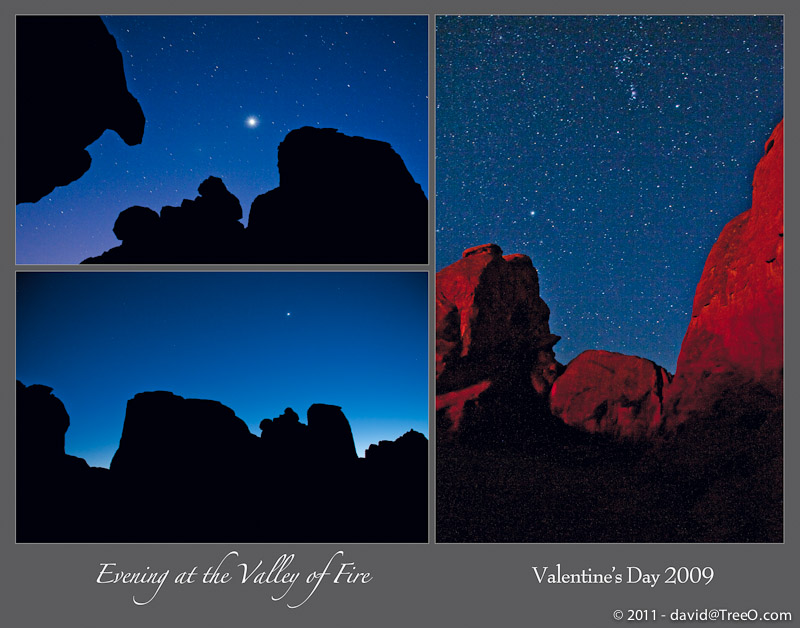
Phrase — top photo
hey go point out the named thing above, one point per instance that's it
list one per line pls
(222, 140)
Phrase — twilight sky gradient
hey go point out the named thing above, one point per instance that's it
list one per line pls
(611, 150)
(257, 342)
(200, 79)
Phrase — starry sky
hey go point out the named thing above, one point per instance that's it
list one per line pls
(257, 342)
(612, 150)
(219, 95)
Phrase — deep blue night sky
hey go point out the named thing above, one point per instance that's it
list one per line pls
(611, 150)
(257, 342)
(200, 79)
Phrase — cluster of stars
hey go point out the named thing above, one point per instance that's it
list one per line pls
(611, 150)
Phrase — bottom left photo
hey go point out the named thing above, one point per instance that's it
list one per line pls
(211, 407)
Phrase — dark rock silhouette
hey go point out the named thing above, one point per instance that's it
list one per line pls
(638, 456)
(286, 441)
(331, 434)
(341, 200)
(136, 225)
(165, 434)
(189, 470)
(396, 471)
(611, 393)
(286, 430)
(411, 446)
(175, 456)
(43, 422)
(53, 486)
(203, 230)
(70, 88)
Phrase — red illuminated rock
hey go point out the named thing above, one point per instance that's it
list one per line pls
(611, 393)
(491, 326)
(708, 466)
(452, 404)
(733, 349)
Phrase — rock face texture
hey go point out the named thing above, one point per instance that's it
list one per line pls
(341, 200)
(189, 470)
(725, 404)
(733, 349)
(70, 88)
(491, 329)
(730, 368)
(611, 393)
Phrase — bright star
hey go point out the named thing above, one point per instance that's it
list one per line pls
(251, 122)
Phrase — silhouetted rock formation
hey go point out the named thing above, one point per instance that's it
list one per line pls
(42, 423)
(189, 470)
(341, 200)
(396, 471)
(611, 393)
(331, 433)
(205, 230)
(410, 446)
(286, 438)
(491, 329)
(70, 88)
(187, 459)
(51, 485)
(640, 456)
(165, 434)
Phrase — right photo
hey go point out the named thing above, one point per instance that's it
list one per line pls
(609, 286)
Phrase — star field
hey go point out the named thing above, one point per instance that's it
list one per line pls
(611, 150)
(219, 95)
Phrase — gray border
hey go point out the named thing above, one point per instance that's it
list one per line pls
(472, 585)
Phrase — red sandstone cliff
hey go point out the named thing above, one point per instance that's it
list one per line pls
(733, 348)
(491, 327)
